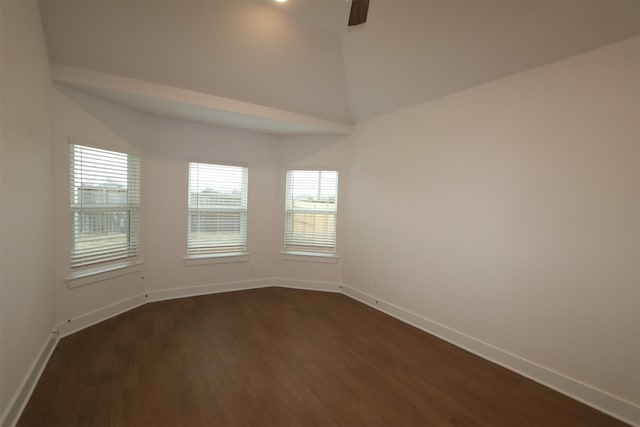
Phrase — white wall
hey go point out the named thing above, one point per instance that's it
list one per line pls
(169, 146)
(26, 308)
(510, 212)
(87, 121)
(166, 147)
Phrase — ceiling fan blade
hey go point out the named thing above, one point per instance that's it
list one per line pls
(358, 14)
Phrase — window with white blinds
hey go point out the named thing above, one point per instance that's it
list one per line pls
(217, 209)
(311, 211)
(105, 206)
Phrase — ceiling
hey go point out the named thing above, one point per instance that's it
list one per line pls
(299, 57)
(414, 51)
(328, 15)
(166, 101)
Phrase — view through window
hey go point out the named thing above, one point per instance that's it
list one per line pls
(217, 209)
(105, 205)
(310, 211)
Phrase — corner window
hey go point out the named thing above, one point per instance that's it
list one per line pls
(311, 208)
(105, 206)
(217, 223)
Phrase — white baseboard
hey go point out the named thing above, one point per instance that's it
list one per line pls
(96, 316)
(214, 288)
(20, 399)
(599, 399)
(99, 315)
(309, 285)
(616, 407)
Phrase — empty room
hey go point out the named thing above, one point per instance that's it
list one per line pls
(320, 212)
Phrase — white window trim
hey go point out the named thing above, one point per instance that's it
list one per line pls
(108, 271)
(328, 258)
(221, 258)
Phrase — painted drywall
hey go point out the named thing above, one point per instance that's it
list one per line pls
(235, 49)
(165, 147)
(26, 307)
(510, 213)
(169, 146)
(167, 101)
(408, 52)
(78, 122)
(414, 51)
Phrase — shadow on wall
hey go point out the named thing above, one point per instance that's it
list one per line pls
(312, 151)
(172, 139)
(126, 124)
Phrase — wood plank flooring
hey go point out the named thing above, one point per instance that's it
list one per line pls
(281, 357)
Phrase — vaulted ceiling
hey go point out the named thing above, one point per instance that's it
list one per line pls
(299, 57)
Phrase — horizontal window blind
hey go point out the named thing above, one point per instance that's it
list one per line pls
(105, 206)
(311, 210)
(217, 209)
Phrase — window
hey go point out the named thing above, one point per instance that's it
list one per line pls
(217, 210)
(105, 206)
(310, 211)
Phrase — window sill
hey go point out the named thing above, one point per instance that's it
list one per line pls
(98, 274)
(309, 257)
(216, 259)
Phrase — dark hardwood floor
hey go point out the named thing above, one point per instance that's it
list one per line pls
(281, 357)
